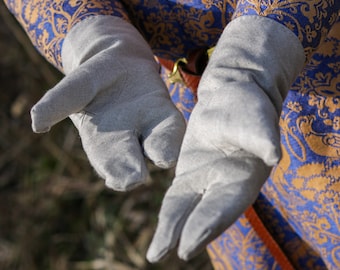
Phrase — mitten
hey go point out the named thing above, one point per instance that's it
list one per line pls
(115, 97)
(232, 139)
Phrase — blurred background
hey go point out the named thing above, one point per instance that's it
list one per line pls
(55, 213)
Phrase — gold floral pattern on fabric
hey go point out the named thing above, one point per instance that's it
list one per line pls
(309, 20)
(47, 22)
(305, 186)
(240, 239)
(174, 27)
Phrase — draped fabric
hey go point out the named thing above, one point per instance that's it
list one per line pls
(300, 202)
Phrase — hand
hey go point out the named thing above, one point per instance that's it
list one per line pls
(232, 139)
(114, 95)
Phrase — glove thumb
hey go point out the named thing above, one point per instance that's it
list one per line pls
(69, 96)
(45, 113)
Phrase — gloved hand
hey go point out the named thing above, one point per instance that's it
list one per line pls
(114, 95)
(232, 139)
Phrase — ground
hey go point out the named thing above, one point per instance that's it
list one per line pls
(55, 212)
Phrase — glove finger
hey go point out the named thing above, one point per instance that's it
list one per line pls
(123, 164)
(162, 143)
(115, 155)
(177, 205)
(236, 185)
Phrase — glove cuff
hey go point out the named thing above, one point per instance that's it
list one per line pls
(255, 48)
(103, 34)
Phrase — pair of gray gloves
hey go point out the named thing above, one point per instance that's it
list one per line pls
(115, 97)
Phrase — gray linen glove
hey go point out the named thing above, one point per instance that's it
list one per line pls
(114, 95)
(232, 138)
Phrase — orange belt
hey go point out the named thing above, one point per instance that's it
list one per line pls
(267, 239)
(188, 71)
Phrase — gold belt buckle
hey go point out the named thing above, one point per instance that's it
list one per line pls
(175, 75)
(210, 51)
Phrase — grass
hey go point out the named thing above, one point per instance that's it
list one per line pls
(55, 213)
